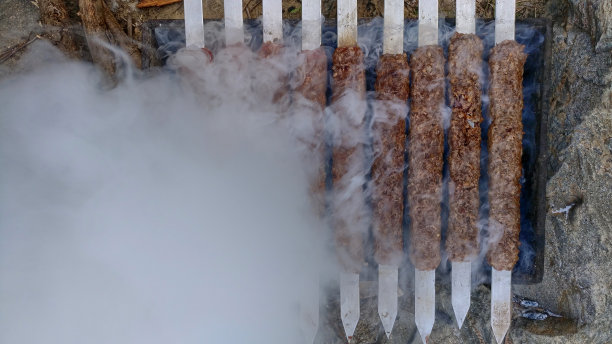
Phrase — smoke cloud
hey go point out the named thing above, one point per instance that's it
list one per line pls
(150, 213)
(176, 206)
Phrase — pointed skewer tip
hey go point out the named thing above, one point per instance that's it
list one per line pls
(349, 302)
(501, 311)
(425, 301)
(387, 296)
(461, 290)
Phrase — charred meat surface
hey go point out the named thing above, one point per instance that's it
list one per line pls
(505, 150)
(464, 70)
(269, 49)
(312, 82)
(348, 167)
(425, 152)
(389, 132)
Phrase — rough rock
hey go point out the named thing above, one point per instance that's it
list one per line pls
(595, 18)
(579, 71)
(578, 255)
(18, 18)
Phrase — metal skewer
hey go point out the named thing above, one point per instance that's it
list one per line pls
(424, 301)
(393, 27)
(272, 21)
(425, 281)
(347, 23)
(349, 281)
(501, 280)
(194, 24)
(234, 27)
(501, 306)
(349, 302)
(466, 16)
(461, 271)
(311, 40)
(311, 24)
(387, 296)
(461, 289)
(428, 22)
(393, 35)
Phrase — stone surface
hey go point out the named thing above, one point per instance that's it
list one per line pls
(579, 71)
(18, 18)
(595, 18)
(578, 247)
(578, 258)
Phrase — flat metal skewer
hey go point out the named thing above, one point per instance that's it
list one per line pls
(461, 290)
(424, 301)
(311, 24)
(349, 302)
(347, 23)
(501, 280)
(349, 281)
(393, 27)
(461, 271)
(387, 296)
(466, 16)
(194, 24)
(311, 39)
(501, 306)
(272, 21)
(234, 26)
(425, 281)
(393, 35)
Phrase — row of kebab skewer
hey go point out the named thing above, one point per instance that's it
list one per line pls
(420, 78)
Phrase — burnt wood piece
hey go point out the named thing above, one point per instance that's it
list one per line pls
(101, 27)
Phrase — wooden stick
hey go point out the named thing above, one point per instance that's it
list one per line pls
(101, 27)
(56, 19)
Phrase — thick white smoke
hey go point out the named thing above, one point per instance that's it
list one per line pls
(149, 213)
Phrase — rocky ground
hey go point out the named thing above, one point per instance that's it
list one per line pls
(578, 254)
(578, 113)
(18, 20)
